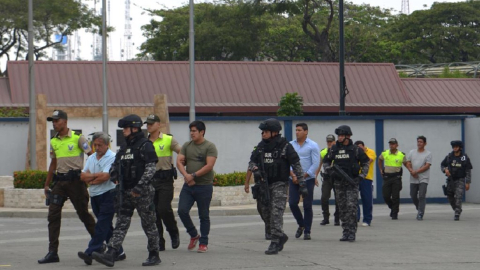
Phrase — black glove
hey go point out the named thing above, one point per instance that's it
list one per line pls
(303, 190)
(357, 180)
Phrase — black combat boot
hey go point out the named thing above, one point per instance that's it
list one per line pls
(268, 236)
(153, 259)
(272, 249)
(175, 240)
(51, 257)
(351, 237)
(457, 217)
(324, 222)
(283, 240)
(108, 258)
(344, 237)
(337, 222)
(161, 244)
(394, 216)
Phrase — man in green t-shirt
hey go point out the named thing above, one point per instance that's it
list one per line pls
(195, 162)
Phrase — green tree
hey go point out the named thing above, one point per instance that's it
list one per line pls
(447, 32)
(51, 17)
(291, 104)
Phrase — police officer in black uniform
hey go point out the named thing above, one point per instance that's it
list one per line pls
(458, 168)
(134, 168)
(353, 161)
(272, 158)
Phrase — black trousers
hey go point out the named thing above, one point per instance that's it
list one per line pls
(391, 192)
(327, 186)
(163, 206)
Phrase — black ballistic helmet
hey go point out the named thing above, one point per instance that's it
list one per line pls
(343, 130)
(131, 120)
(456, 143)
(271, 124)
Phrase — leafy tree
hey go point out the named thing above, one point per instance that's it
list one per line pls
(291, 104)
(50, 18)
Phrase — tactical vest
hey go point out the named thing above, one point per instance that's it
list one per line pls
(133, 165)
(457, 165)
(346, 158)
(275, 162)
(162, 146)
(66, 146)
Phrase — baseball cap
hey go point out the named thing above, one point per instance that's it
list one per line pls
(152, 118)
(57, 114)
(393, 140)
(330, 138)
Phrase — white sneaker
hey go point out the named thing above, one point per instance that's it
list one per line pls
(364, 224)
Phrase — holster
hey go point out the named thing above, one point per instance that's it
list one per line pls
(58, 199)
(255, 191)
(444, 188)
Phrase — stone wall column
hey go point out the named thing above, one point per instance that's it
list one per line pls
(160, 108)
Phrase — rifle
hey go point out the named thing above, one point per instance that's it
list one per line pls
(266, 197)
(344, 175)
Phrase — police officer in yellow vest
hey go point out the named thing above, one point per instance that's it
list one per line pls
(164, 145)
(67, 150)
(392, 176)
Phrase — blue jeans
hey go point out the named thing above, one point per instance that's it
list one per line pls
(293, 200)
(366, 192)
(202, 195)
(103, 208)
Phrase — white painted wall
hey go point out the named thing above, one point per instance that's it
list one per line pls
(439, 133)
(14, 137)
(472, 147)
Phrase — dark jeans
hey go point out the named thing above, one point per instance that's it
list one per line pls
(163, 207)
(294, 199)
(103, 208)
(418, 193)
(327, 186)
(391, 192)
(202, 195)
(76, 191)
(366, 192)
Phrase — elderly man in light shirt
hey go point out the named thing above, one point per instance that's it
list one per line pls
(309, 154)
(102, 193)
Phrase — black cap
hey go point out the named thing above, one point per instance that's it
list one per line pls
(393, 140)
(152, 118)
(330, 138)
(58, 114)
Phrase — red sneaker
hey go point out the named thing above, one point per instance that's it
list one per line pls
(193, 242)
(202, 248)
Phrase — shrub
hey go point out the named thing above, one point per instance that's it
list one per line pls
(29, 179)
(229, 179)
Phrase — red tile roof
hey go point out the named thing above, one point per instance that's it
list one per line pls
(228, 87)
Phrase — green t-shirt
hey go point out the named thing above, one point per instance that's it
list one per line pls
(196, 157)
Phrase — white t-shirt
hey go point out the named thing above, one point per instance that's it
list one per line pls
(418, 159)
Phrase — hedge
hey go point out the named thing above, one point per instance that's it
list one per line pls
(29, 179)
(229, 179)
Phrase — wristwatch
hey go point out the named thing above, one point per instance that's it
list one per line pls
(194, 175)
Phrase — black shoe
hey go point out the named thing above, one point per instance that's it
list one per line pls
(391, 213)
(108, 258)
(153, 259)
(306, 236)
(273, 248)
(121, 257)
(419, 217)
(175, 240)
(324, 222)
(344, 237)
(51, 257)
(337, 222)
(351, 238)
(268, 236)
(283, 240)
(299, 232)
(394, 216)
(456, 218)
(87, 259)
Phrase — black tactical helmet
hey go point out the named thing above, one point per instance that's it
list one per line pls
(343, 130)
(456, 143)
(271, 124)
(131, 120)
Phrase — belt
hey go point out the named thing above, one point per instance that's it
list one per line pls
(392, 174)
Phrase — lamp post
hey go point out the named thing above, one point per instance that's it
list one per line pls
(341, 59)
(104, 66)
(192, 64)
(31, 89)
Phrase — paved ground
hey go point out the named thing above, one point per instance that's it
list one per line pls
(236, 242)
